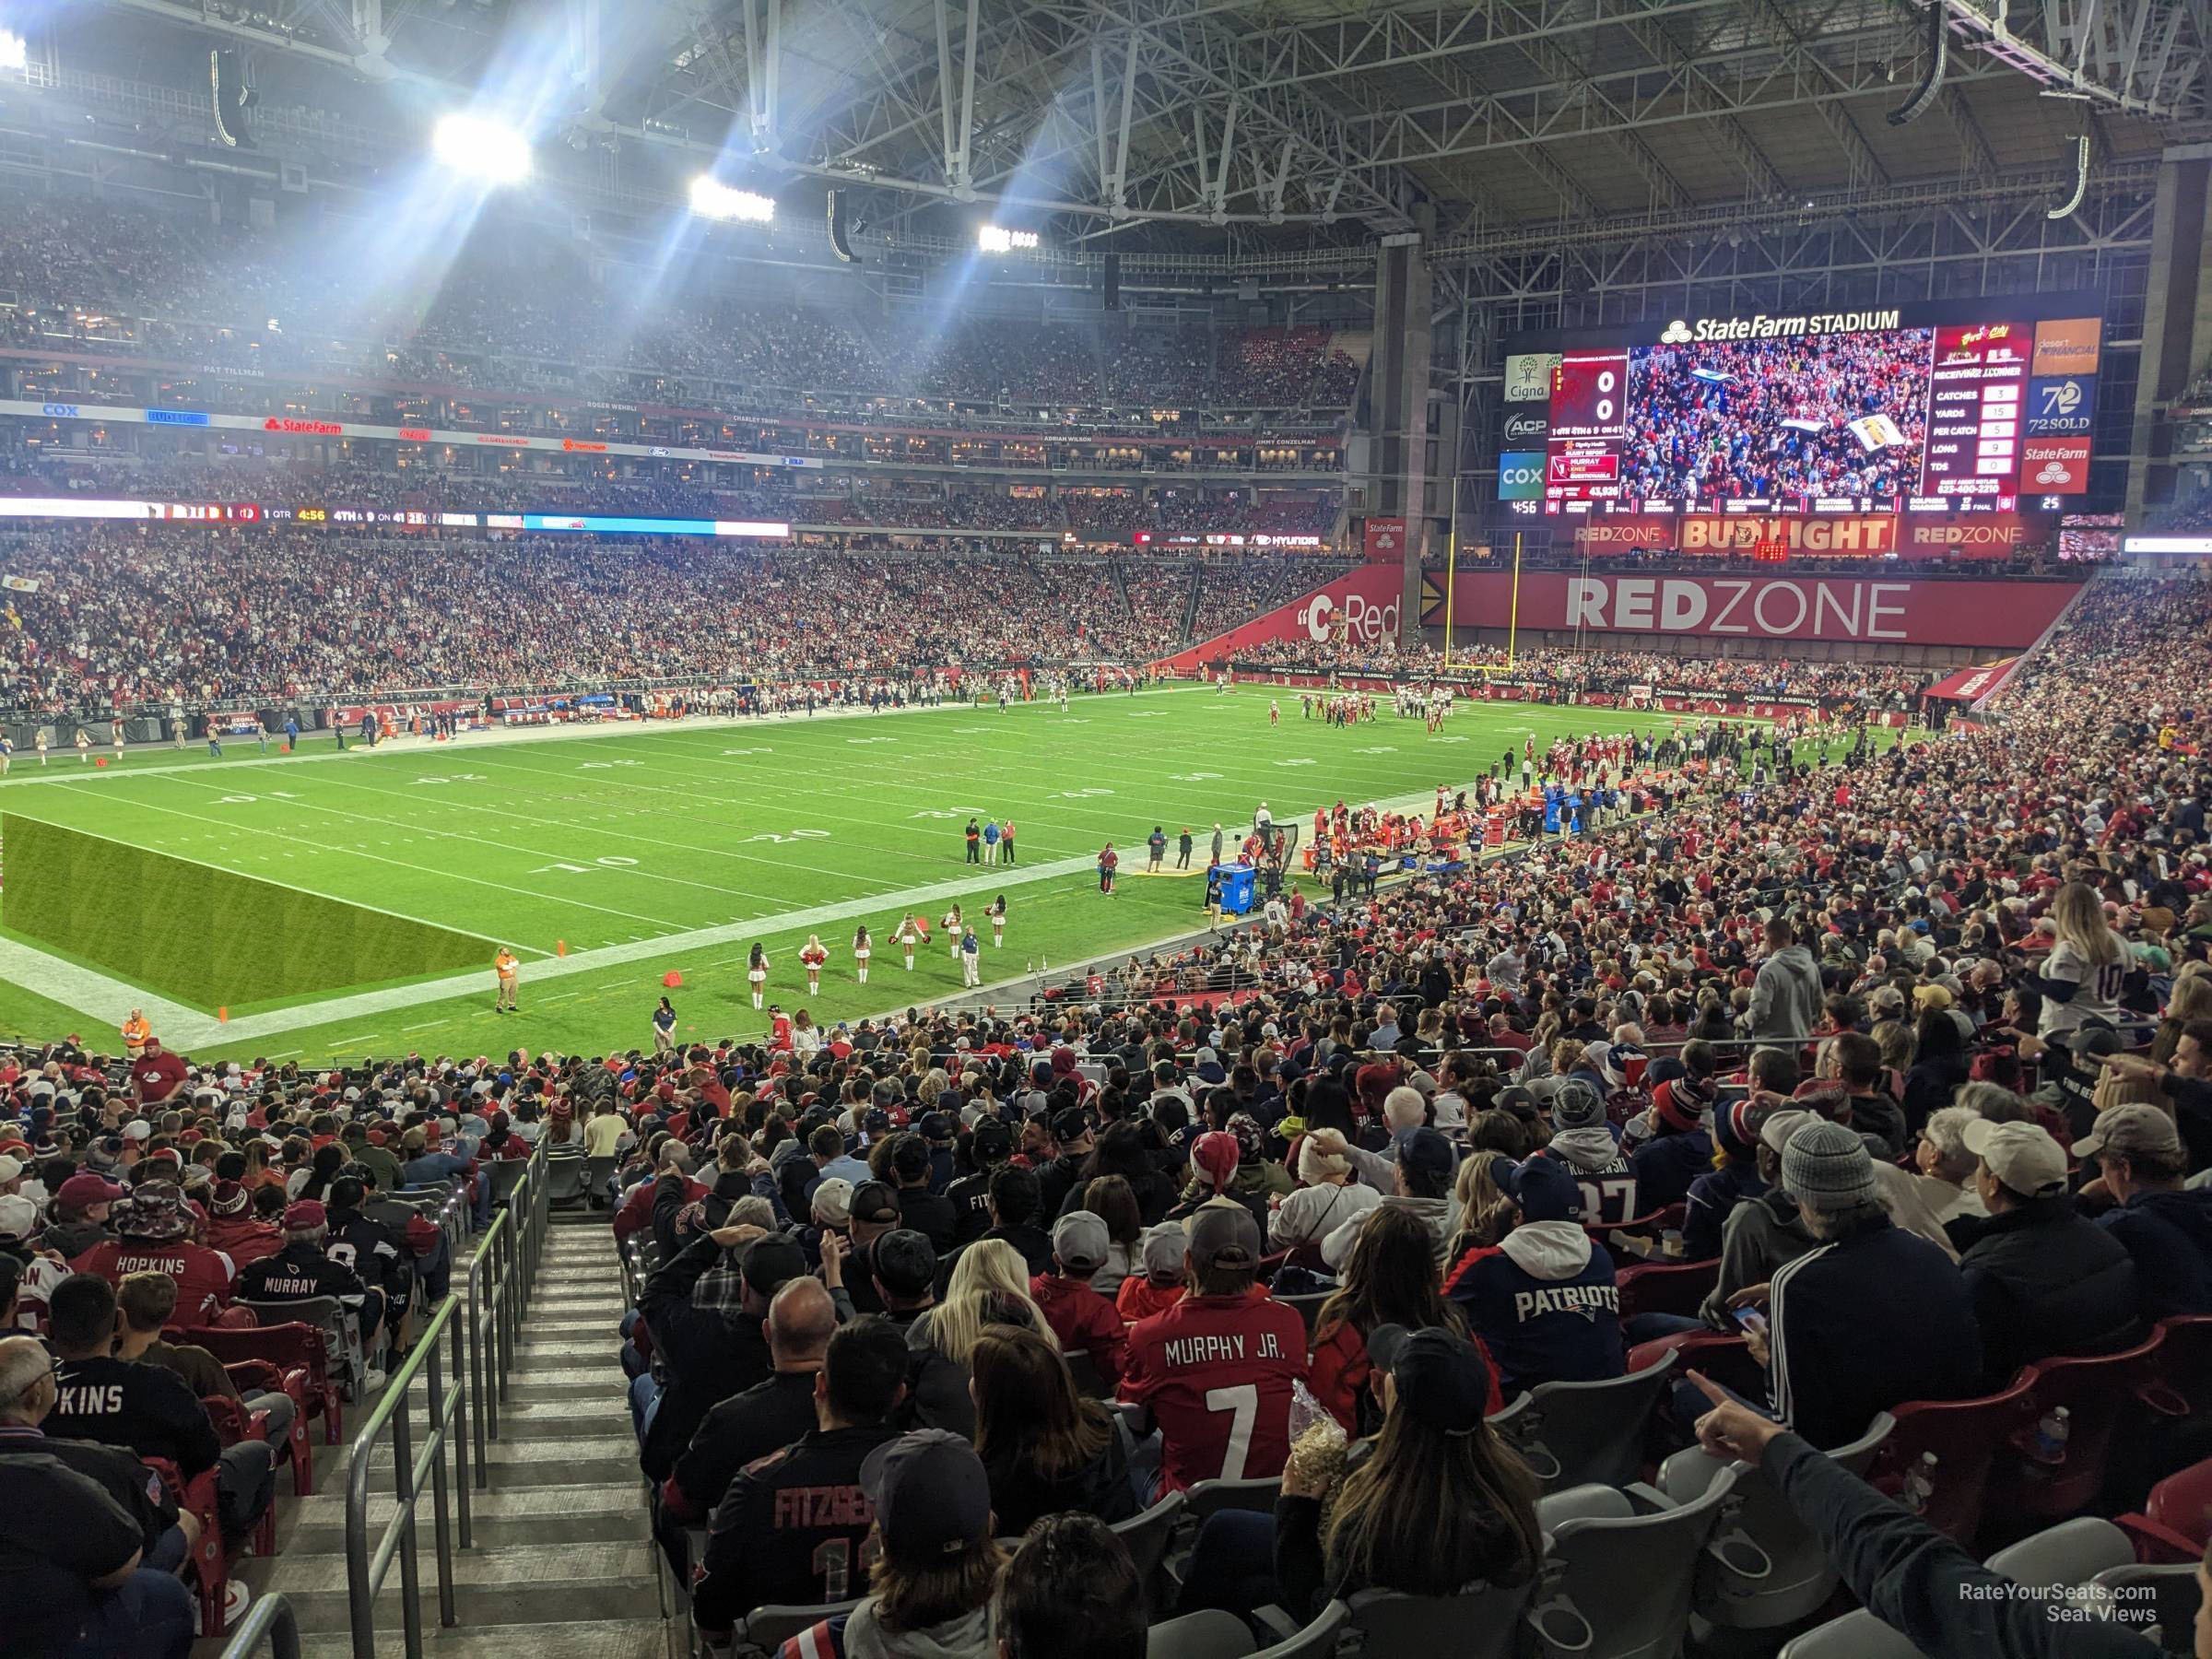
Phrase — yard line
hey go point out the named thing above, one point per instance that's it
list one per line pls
(404, 864)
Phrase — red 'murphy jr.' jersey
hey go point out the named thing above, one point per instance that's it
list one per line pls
(1217, 1371)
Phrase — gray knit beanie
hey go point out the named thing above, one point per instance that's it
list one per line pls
(1825, 1166)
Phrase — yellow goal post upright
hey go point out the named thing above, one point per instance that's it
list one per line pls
(1512, 623)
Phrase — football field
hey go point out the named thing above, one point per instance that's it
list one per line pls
(608, 858)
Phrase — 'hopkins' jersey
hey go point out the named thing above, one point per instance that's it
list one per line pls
(1216, 1372)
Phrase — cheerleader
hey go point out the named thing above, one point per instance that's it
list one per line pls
(954, 928)
(811, 958)
(862, 950)
(756, 972)
(997, 912)
(908, 935)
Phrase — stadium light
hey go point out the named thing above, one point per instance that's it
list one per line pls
(997, 239)
(712, 199)
(14, 50)
(481, 148)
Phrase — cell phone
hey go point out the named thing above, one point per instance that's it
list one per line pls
(1751, 1319)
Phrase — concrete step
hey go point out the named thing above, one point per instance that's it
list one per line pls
(563, 1511)
(599, 1639)
(512, 1584)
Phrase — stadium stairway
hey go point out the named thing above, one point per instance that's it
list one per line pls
(562, 1564)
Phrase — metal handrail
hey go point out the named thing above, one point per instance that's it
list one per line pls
(456, 1398)
(497, 1288)
(270, 1617)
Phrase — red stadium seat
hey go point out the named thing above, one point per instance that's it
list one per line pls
(291, 1349)
(234, 1425)
(2177, 1521)
(1725, 1359)
(2184, 1367)
(2098, 1392)
(210, 1556)
(1665, 1287)
(1966, 1437)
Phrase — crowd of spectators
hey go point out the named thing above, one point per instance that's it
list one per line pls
(1763, 418)
(124, 620)
(1559, 671)
(1921, 1041)
(112, 278)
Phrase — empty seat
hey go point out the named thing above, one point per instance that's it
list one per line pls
(1146, 1536)
(1764, 1568)
(2100, 1393)
(1858, 1635)
(1619, 1587)
(1665, 1287)
(1481, 1624)
(1317, 1640)
(1965, 1436)
(2073, 1552)
(598, 1179)
(1575, 1432)
(1212, 1634)
(2176, 1524)
(341, 1332)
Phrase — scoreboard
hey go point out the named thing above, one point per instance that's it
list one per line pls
(1932, 407)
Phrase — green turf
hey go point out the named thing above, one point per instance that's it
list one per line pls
(203, 934)
(622, 838)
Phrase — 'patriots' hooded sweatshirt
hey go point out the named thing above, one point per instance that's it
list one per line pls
(1544, 1303)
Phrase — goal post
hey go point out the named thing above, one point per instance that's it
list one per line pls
(1513, 621)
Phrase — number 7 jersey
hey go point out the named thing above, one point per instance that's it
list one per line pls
(1216, 1372)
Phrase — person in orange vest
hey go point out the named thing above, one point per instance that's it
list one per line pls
(135, 1033)
(507, 967)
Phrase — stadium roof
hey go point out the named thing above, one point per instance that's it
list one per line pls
(1197, 124)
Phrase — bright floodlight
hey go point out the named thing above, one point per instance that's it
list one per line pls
(997, 239)
(482, 149)
(14, 51)
(712, 199)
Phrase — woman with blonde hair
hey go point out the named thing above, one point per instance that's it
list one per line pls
(2083, 976)
(990, 1286)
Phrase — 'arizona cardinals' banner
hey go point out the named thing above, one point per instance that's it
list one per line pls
(1764, 607)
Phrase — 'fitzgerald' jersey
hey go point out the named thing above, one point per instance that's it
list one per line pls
(1216, 1372)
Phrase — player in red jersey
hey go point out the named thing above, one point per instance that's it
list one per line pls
(1216, 1370)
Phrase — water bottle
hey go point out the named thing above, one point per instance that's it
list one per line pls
(1920, 1485)
(2050, 1435)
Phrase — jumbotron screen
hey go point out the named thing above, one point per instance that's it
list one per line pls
(1889, 408)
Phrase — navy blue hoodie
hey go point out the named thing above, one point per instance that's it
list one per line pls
(1543, 1301)
(2170, 1236)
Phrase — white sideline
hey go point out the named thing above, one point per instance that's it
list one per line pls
(102, 997)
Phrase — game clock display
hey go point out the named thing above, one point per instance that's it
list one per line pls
(1902, 409)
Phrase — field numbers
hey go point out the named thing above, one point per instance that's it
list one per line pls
(762, 750)
(612, 862)
(1459, 738)
(1196, 777)
(1378, 749)
(239, 800)
(602, 765)
(456, 778)
(1149, 714)
(871, 740)
(770, 836)
(1082, 795)
(1298, 760)
(948, 812)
